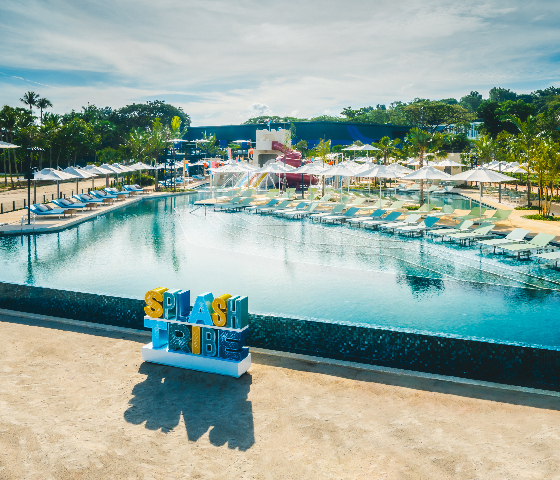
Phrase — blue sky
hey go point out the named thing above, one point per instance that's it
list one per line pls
(225, 61)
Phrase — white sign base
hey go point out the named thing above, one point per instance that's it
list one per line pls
(195, 362)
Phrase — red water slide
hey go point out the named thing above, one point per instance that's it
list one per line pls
(293, 158)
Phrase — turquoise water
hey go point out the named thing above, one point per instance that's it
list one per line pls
(295, 268)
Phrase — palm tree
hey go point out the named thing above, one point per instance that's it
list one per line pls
(43, 103)
(322, 149)
(386, 147)
(527, 141)
(30, 98)
(419, 142)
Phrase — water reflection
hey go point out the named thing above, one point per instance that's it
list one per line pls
(293, 268)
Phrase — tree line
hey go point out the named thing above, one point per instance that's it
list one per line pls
(94, 134)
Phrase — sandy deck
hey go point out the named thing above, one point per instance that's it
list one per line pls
(79, 403)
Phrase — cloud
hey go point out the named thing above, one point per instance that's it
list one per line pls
(215, 57)
(257, 109)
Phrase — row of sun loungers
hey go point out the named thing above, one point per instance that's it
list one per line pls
(84, 200)
(422, 221)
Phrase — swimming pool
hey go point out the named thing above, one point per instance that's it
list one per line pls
(295, 268)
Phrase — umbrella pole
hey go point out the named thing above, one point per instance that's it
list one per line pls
(480, 203)
(34, 191)
(93, 183)
(57, 190)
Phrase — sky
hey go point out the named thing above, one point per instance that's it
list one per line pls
(225, 61)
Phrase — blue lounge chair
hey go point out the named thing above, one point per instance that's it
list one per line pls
(67, 204)
(375, 215)
(341, 218)
(419, 229)
(392, 217)
(85, 198)
(44, 210)
(101, 194)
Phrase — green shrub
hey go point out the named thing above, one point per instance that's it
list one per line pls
(525, 207)
(547, 218)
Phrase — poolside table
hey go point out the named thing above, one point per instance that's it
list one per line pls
(70, 211)
(108, 201)
(91, 205)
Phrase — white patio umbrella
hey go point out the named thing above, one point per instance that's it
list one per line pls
(398, 168)
(482, 175)
(97, 171)
(339, 170)
(428, 173)
(379, 171)
(448, 163)
(54, 175)
(79, 173)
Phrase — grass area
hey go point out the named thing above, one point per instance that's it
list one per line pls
(526, 208)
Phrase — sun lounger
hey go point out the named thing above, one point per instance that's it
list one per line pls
(114, 191)
(233, 201)
(302, 212)
(244, 203)
(468, 237)
(85, 198)
(537, 244)
(445, 211)
(278, 206)
(67, 204)
(516, 235)
(356, 202)
(409, 220)
(341, 218)
(42, 210)
(133, 188)
(425, 208)
(336, 210)
(375, 215)
(101, 194)
(550, 256)
(271, 203)
(412, 230)
(476, 212)
(299, 206)
(464, 226)
(392, 217)
(499, 216)
(395, 205)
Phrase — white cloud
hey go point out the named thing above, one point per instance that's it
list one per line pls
(215, 57)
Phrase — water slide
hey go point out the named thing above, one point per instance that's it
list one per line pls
(293, 158)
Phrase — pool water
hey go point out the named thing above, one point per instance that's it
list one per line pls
(295, 268)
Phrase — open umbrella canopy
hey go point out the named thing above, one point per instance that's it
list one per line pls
(51, 174)
(448, 163)
(8, 145)
(428, 173)
(379, 171)
(340, 170)
(141, 166)
(352, 148)
(276, 167)
(97, 170)
(368, 147)
(399, 169)
(481, 174)
(111, 168)
(78, 172)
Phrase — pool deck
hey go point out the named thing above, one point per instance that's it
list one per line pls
(81, 403)
(13, 226)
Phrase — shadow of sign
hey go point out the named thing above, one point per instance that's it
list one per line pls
(208, 402)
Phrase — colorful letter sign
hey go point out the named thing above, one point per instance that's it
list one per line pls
(210, 337)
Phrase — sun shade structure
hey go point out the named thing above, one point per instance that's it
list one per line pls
(379, 171)
(482, 175)
(428, 173)
(448, 163)
(79, 173)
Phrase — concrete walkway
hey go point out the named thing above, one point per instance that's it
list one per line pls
(10, 223)
(81, 403)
